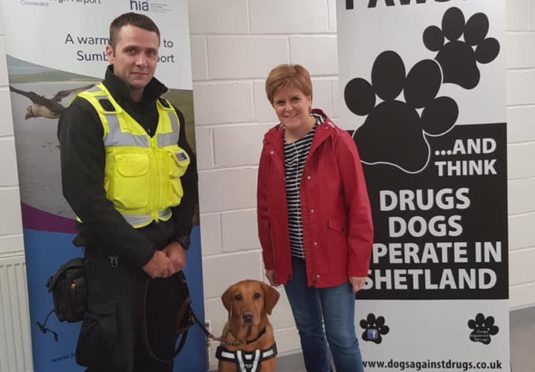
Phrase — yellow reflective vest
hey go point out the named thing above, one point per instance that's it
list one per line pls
(142, 173)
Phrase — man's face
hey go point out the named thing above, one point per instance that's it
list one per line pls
(135, 56)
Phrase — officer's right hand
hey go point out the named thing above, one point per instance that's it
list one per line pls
(159, 266)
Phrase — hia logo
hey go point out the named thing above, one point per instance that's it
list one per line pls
(139, 5)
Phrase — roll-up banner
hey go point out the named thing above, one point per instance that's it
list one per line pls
(423, 91)
(55, 48)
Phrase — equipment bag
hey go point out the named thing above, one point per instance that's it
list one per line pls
(69, 291)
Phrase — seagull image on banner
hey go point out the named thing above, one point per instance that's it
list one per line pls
(49, 108)
(402, 127)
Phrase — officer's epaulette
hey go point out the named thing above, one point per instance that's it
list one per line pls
(164, 102)
(106, 105)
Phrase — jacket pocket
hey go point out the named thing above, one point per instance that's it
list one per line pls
(337, 245)
(177, 163)
(130, 180)
(97, 335)
(336, 226)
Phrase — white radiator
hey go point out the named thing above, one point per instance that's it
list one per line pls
(15, 340)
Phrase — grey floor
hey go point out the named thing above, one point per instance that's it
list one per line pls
(522, 328)
(522, 323)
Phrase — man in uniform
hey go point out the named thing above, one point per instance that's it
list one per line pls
(130, 176)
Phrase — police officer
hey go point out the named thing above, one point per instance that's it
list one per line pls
(130, 176)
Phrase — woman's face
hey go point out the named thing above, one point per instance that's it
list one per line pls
(292, 107)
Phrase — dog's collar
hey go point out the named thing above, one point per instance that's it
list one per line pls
(241, 342)
(246, 361)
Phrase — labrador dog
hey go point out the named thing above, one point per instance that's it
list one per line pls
(247, 341)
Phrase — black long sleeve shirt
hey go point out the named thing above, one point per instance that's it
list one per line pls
(80, 133)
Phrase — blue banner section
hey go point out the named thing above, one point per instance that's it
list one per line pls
(54, 350)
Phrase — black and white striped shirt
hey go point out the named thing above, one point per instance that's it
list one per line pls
(295, 155)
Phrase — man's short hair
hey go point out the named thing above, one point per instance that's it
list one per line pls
(133, 19)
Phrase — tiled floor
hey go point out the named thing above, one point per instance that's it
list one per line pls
(522, 325)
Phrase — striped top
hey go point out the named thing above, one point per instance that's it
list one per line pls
(295, 155)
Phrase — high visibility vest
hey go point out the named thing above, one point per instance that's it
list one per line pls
(142, 173)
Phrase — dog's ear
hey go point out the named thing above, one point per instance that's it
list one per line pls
(271, 297)
(226, 298)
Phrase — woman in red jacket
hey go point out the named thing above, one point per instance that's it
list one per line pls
(314, 220)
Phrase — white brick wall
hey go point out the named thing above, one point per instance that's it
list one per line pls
(239, 57)
(520, 26)
(239, 232)
(247, 153)
(222, 102)
(288, 17)
(235, 43)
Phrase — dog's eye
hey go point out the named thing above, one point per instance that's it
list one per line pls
(238, 297)
(256, 296)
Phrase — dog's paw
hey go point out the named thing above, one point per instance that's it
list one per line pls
(374, 328)
(458, 58)
(398, 126)
(482, 328)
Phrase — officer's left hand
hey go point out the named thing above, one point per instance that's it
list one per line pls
(177, 255)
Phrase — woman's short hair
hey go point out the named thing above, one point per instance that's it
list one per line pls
(288, 75)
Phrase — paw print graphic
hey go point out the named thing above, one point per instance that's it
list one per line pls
(399, 126)
(483, 328)
(458, 58)
(374, 328)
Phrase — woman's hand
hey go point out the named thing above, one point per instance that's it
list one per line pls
(357, 282)
(270, 275)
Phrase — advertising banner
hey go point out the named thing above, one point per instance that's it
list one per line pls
(423, 91)
(55, 48)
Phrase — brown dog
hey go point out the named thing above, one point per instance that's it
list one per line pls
(247, 342)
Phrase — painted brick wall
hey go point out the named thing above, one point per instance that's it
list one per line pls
(234, 45)
(520, 49)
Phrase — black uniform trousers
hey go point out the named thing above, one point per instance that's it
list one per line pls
(111, 338)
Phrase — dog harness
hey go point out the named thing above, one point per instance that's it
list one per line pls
(246, 361)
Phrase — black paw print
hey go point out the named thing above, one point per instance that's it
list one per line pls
(458, 58)
(374, 328)
(483, 328)
(397, 125)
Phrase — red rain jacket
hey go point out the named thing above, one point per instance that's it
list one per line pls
(336, 215)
